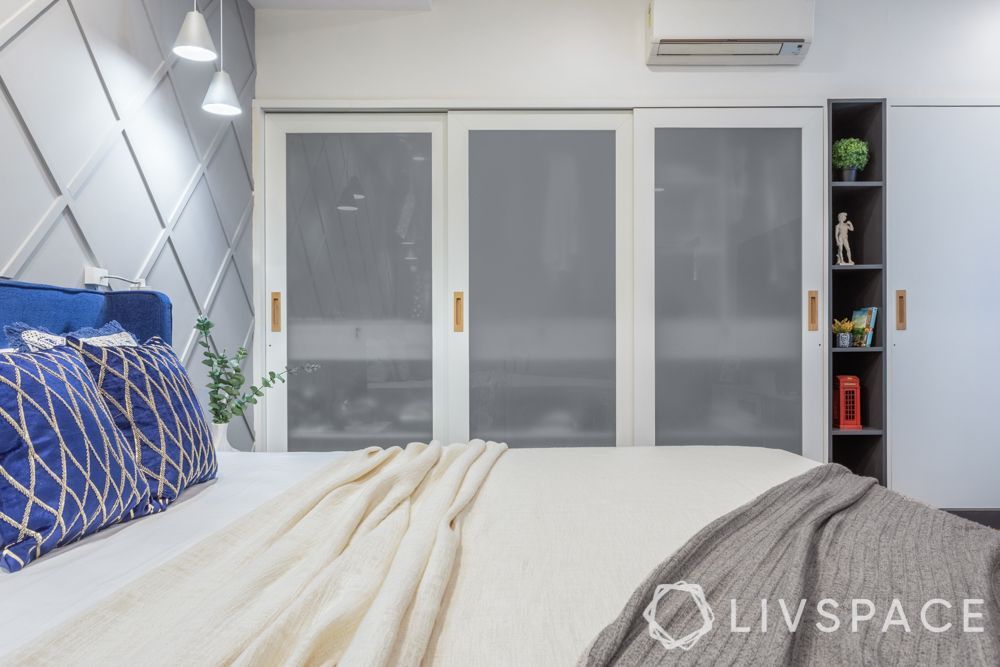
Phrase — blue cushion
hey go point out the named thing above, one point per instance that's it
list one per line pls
(154, 404)
(66, 471)
(28, 338)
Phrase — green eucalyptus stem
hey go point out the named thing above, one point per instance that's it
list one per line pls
(226, 396)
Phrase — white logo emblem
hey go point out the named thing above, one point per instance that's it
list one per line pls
(689, 640)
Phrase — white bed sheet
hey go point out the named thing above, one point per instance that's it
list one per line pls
(557, 540)
(552, 547)
(70, 580)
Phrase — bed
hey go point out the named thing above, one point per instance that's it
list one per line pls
(72, 579)
(465, 555)
(528, 565)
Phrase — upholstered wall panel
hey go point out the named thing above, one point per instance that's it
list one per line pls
(108, 159)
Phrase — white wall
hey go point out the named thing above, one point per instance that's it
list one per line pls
(501, 52)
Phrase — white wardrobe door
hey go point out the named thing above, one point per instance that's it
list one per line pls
(728, 246)
(943, 245)
(539, 239)
(354, 243)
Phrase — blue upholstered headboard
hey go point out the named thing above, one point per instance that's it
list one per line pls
(62, 309)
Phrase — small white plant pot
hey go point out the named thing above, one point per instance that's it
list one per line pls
(220, 438)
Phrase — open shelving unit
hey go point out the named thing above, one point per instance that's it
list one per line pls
(863, 284)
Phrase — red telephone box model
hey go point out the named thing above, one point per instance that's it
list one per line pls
(847, 403)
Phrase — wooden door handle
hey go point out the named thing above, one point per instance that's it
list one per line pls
(458, 304)
(813, 301)
(275, 311)
(901, 310)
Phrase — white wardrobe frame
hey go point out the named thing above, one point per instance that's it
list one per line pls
(634, 168)
(273, 410)
(811, 121)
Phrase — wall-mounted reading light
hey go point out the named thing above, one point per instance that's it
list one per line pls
(221, 98)
(194, 41)
(98, 277)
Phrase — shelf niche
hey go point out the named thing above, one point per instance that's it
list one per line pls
(864, 452)
(864, 208)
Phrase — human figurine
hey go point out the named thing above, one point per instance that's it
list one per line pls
(840, 234)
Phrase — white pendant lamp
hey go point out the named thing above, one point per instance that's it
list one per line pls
(221, 98)
(194, 41)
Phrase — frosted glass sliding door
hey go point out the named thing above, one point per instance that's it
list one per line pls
(538, 200)
(360, 253)
(731, 247)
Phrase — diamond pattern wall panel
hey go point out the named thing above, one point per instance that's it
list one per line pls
(60, 256)
(108, 158)
(124, 46)
(116, 178)
(163, 147)
(25, 189)
(55, 87)
(230, 183)
(231, 311)
(243, 254)
(200, 243)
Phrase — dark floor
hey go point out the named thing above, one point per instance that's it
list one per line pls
(989, 518)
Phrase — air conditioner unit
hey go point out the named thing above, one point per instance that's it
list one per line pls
(729, 32)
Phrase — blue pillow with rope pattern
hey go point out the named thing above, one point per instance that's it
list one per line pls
(153, 402)
(66, 471)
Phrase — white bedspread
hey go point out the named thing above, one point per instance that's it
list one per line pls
(551, 548)
(558, 540)
(347, 569)
(71, 580)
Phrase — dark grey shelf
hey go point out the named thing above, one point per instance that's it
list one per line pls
(858, 267)
(864, 431)
(857, 184)
(863, 451)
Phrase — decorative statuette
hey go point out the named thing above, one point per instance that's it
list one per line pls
(840, 232)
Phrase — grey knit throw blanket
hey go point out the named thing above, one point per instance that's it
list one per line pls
(824, 535)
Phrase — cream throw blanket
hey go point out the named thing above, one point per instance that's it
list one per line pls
(348, 568)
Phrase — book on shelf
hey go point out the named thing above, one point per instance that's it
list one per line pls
(864, 326)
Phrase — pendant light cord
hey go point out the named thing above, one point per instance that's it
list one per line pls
(222, 38)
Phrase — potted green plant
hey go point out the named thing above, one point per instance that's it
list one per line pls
(842, 330)
(850, 156)
(226, 396)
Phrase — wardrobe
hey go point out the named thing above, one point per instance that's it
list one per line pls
(630, 278)
(943, 238)
(588, 278)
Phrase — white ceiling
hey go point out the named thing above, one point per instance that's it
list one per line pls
(342, 4)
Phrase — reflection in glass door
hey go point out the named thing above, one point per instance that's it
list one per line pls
(728, 276)
(734, 247)
(359, 239)
(539, 228)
